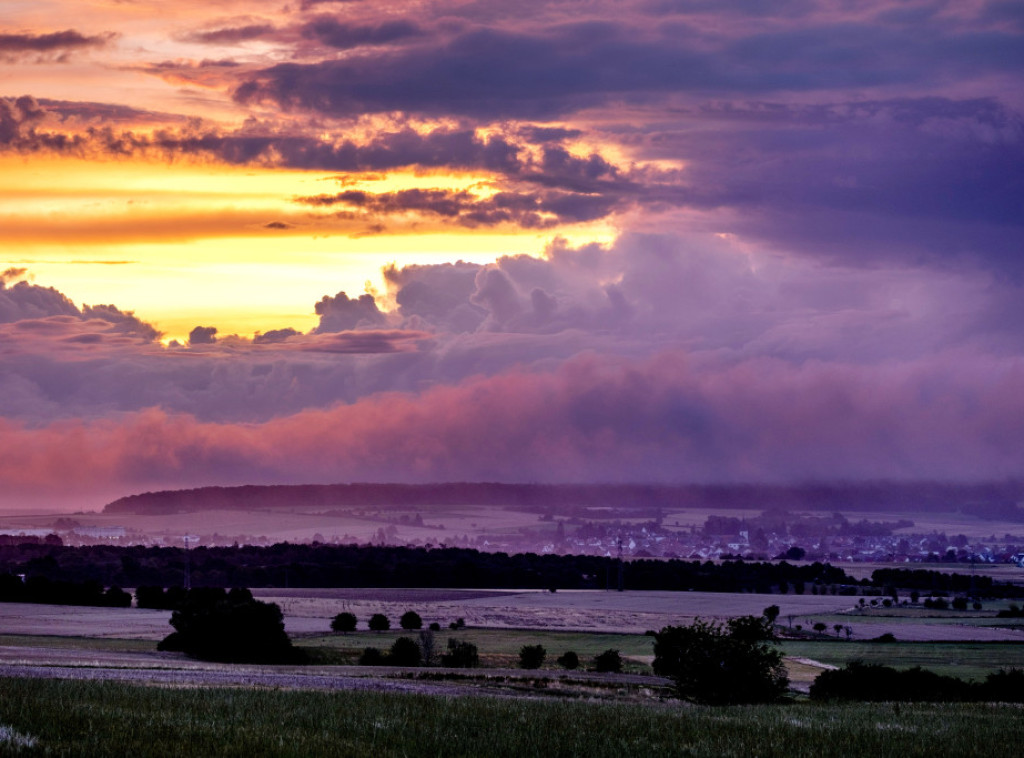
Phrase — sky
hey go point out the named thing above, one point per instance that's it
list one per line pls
(322, 241)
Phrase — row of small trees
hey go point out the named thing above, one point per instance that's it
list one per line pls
(533, 657)
(378, 622)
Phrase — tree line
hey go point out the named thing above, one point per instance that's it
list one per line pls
(318, 565)
(40, 589)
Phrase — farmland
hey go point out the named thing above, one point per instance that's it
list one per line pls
(116, 693)
(103, 718)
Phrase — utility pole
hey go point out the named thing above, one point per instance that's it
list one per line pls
(188, 567)
(620, 564)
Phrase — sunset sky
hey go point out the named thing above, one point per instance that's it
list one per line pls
(584, 241)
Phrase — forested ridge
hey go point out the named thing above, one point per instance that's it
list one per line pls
(987, 500)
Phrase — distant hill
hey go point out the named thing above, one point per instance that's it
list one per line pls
(986, 500)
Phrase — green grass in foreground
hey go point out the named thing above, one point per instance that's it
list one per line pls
(967, 660)
(80, 718)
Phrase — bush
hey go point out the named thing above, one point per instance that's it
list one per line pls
(344, 622)
(232, 627)
(1004, 686)
(372, 656)
(873, 682)
(460, 655)
(609, 660)
(735, 662)
(434, 626)
(411, 621)
(115, 597)
(569, 660)
(379, 622)
(404, 652)
(532, 656)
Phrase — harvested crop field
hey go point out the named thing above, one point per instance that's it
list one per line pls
(309, 610)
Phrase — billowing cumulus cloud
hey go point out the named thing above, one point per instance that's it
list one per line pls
(202, 335)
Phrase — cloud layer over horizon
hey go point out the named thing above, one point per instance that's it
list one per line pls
(740, 242)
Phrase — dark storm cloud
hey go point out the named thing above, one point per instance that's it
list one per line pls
(329, 31)
(69, 39)
(485, 73)
(917, 179)
(527, 210)
(494, 73)
(232, 34)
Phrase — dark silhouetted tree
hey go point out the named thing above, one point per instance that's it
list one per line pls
(379, 623)
(714, 663)
(532, 656)
(230, 626)
(609, 660)
(460, 655)
(405, 652)
(569, 660)
(344, 622)
(411, 621)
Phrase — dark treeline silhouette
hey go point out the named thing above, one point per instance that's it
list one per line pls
(318, 565)
(986, 500)
(861, 681)
(40, 589)
(158, 598)
(936, 581)
(18, 539)
(299, 565)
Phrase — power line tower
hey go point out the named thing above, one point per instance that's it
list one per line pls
(620, 564)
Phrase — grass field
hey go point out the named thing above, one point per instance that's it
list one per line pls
(966, 660)
(78, 643)
(44, 717)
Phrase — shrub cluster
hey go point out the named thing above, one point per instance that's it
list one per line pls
(875, 683)
(719, 664)
(170, 599)
(231, 627)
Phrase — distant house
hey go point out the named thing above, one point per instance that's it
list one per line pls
(100, 532)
